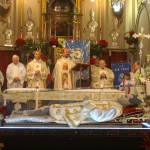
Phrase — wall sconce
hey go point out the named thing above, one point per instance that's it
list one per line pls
(117, 9)
(92, 0)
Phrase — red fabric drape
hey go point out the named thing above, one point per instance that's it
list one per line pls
(5, 60)
(115, 57)
(118, 56)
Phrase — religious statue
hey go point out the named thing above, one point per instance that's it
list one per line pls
(29, 25)
(8, 33)
(115, 34)
(92, 25)
(5, 10)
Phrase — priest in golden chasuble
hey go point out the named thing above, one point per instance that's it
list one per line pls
(37, 72)
(101, 76)
(63, 76)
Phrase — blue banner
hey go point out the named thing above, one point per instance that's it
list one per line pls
(119, 70)
(80, 53)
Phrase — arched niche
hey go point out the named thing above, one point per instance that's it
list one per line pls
(143, 20)
(62, 20)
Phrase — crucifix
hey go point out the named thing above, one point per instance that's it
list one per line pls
(141, 36)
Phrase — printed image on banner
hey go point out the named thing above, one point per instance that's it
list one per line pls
(80, 53)
(119, 70)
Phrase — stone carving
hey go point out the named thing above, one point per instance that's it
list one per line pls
(92, 25)
(5, 10)
(29, 24)
(8, 33)
(115, 34)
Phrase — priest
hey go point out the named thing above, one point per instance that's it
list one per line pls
(94, 69)
(1, 80)
(63, 76)
(37, 72)
(106, 75)
(101, 76)
(136, 70)
(15, 73)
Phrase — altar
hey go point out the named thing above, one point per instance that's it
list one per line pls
(18, 95)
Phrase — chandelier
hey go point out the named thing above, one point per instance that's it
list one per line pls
(120, 2)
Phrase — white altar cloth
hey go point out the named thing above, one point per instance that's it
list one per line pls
(24, 94)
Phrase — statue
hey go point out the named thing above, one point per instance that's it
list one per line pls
(92, 25)
(8, 33)
(115, 34)
(29, 25)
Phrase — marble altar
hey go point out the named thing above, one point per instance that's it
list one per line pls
(18, 95)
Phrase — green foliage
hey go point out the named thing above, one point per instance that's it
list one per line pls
(95, 50)
(31, 46)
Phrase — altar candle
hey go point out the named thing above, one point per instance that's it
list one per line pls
(100, 14)
(148, 88)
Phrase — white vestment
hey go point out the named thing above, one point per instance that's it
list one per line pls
(32, 80)
(15, 71)
(63, 76)
(97, 81)
(2, 80)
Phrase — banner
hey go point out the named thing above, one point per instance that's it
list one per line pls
(80, 53)
(119, 70)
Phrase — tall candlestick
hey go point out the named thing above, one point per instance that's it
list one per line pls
(100, 14)
(50, 30)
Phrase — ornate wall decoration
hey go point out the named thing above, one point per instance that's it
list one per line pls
(117, 14)
(61, 19)
(139, 2)
(5, 10)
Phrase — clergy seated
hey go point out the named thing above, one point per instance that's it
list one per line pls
(15, 73)
(1, 80)
(101, 76)
(63, 76)
(37, 72)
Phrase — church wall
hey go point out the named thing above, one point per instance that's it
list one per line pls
(129, 19)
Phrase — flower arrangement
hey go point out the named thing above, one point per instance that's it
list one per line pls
(103, 43)
(130, 39)
(140, 80)
(53, 42)
(20, 43)
(95, 49)
(92, 61)
(44, 58)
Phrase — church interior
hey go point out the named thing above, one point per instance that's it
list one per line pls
(75, 74)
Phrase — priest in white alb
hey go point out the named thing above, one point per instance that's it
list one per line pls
(37, 72)
(63, 76)
(1, 80)
(15, 73)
